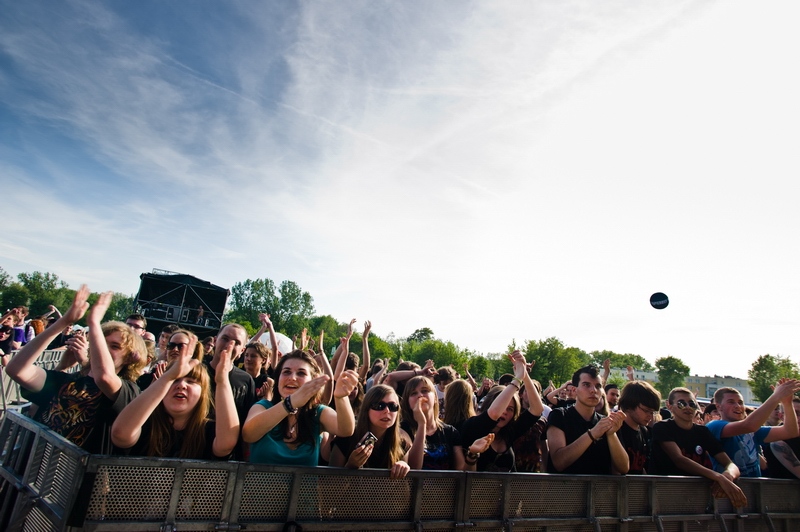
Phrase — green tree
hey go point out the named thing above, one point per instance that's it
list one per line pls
(672, 373)
(620, 361)
(14, 295)
(5, 279)
(766, 371)
(554, 361)
(288, 306)
(120, 308)
(421, 335)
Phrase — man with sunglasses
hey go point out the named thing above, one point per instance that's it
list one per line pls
(681, 447)
(639, 401)
(742, 435)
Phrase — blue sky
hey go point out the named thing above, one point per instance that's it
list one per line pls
(493, 171)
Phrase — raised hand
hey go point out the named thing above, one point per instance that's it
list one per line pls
(429, 370)
(80, 305)
(346, 383)
(367, 328)
(309, 390)
(350, 328)
(264, 319)
(99, 309)
(158, 369)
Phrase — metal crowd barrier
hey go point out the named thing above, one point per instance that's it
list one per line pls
(9, 390)
(47, 483)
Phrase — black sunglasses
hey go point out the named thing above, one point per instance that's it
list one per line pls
(176, 345)
(680, 403)
(380, 405)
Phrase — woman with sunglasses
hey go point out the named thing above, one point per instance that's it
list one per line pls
(379, 416)
(171, 417)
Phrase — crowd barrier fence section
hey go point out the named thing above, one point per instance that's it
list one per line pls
(50, 484)
(9, 390)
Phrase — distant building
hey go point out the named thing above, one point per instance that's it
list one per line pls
(700, 386)
(707, 386)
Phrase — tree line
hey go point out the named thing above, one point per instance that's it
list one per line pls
(292, 310)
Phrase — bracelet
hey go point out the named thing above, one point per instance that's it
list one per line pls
(518, 382)
(591, 437)
(287, 404)
(473, 456)
(515, 385)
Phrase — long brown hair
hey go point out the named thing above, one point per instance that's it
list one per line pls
(503, 433)
(405, 407)
(388, 450)
(162, 433)
(458, 405)
(307, 413)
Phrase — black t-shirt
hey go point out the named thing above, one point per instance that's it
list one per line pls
(439, 447)
(775, 469)
(73, 406)
(374, 461)
(481, 425)
(597, 458)
(696, 443)
(637, 444)
(140, 447)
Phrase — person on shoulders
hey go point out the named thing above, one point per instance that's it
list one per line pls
(742, 434)
(580, 440)
(681, 447)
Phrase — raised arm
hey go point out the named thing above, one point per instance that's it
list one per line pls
(365, 360)
(552, 397)
(103, 369)
(227, 429)
(21, 367)
(535, 405)
(500, 404)
(753, 422)
(789, 429)
(341, 422)
(322, 362)
(606, 371)
(469, 378)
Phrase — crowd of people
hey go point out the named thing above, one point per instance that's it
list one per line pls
(119, 390)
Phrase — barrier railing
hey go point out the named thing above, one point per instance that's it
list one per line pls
(50, 484)
(9, 390)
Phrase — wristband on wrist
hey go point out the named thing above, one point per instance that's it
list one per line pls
(287, 404)
(515, 385)
(591, 436)
(518, 382)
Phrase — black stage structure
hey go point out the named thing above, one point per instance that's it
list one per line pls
(177, 298)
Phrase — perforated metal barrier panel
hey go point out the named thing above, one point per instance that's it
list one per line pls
(47, 483)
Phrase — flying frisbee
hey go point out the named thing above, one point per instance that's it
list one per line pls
(659, 300)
